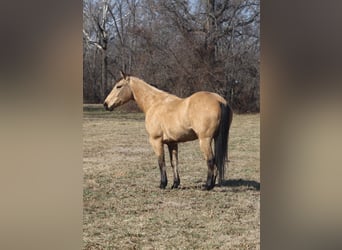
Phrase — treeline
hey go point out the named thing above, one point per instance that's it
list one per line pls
(181, 46)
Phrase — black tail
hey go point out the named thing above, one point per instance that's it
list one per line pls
(221, 140)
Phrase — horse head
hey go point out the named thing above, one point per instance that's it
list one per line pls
(120, 94)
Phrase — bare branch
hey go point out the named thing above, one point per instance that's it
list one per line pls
(116, 26)
(91, 41)
(223, 9)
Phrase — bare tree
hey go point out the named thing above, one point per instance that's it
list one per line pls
(98, 36)
(182, 46)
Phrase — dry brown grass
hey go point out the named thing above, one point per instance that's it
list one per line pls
(125, 209)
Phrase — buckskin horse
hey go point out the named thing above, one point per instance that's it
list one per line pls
(170, 119)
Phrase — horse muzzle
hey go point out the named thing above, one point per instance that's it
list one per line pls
(106, 107)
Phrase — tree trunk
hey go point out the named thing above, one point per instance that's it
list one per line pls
(210, 43)
(104, 68)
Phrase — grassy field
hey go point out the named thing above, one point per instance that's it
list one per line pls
(125, 209)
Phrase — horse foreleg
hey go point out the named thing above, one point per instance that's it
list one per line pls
(205, 145)
(173, 151)
(158, 148)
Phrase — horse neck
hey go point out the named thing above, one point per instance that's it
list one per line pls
(144, 94)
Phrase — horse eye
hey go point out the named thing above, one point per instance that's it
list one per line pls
(118, 87)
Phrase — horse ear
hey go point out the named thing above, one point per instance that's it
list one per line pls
(123, 75)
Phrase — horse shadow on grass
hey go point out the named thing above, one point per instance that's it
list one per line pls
(236, 184)
(252, 185)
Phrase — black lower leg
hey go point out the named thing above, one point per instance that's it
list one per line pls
(176, 183)
(163, 182)
(210, 182)
(211, 178)
(163, 177)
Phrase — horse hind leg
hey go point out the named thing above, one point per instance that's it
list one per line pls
(173, 151)
(205, 145)
(212, 173)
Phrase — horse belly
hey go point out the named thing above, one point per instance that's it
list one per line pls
(179, 135)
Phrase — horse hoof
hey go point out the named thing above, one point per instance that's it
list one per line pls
(208, 187)
(162, 186)
(175, 184)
